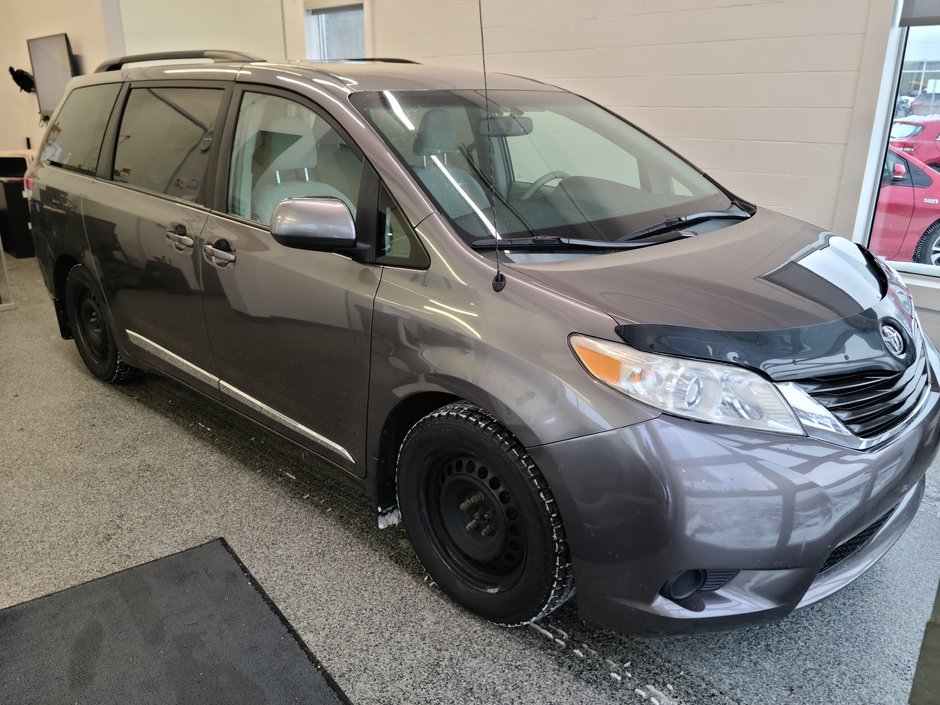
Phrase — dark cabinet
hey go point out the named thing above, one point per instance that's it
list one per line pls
(14, 212)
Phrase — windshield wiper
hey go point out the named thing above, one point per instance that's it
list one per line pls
(681, 221)
(550, 242)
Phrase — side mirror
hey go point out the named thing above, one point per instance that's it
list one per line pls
(898, 172)
(313, 224)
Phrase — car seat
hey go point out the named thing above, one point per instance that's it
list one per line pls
(435, 138)
(292, 173)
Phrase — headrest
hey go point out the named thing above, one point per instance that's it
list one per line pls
(436, 134)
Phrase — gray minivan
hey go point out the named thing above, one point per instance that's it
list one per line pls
(559, 353)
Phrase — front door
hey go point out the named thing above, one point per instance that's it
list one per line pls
(290, 329)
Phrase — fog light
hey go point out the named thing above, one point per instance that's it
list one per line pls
(683, 585)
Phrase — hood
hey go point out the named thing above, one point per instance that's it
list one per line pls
(770, 293)
(766, 272)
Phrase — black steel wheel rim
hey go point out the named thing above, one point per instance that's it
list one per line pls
(92, 326)
(474, 521)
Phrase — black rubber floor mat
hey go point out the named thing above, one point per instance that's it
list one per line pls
(193, 627)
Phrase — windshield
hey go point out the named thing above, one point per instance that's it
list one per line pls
(538, 163)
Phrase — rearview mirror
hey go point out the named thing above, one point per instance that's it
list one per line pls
(313, 224)
(505, 126)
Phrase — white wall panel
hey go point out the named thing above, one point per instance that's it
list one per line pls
(255, 26)
(82, 20)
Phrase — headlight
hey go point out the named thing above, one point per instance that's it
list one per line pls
(703, 391)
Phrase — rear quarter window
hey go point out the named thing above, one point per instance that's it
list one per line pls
(903, 130)
(74, 138)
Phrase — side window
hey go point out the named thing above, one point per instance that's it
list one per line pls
(74, 139)
(164, 139)
(284, 150)
(398, 244)
(896, 171)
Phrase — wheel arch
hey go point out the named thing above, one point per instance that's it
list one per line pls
(402, 417)
(404, 414)
(921, 241)
(60, 273)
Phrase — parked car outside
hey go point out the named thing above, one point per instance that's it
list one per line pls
(906, 226)
(925, 103)
(555, 350)
(919, 137)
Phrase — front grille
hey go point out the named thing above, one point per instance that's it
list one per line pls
(870, 403)
(850, 546)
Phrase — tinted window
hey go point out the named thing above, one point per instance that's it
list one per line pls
(164, 139)
(284, 150)
(74, 139)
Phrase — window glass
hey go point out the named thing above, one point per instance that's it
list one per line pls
(164, 140)
(284, 150)
(900, 130)
(74, 139)
(399, 245)
(335, 33)
(558, 143)
(524, 163)
(906, 222)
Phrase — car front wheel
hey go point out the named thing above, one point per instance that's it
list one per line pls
(481, 517)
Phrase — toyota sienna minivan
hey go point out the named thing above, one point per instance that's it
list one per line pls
(565, 358)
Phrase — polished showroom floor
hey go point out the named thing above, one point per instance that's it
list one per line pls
(96, 478)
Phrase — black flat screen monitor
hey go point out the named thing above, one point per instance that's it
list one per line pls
(53, 66)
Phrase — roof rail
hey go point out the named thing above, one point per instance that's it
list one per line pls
(214, 54)
(384, 60)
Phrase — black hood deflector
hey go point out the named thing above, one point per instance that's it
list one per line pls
(845, 346)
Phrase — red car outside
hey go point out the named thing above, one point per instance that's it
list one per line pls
(907, 218)
(919, 137)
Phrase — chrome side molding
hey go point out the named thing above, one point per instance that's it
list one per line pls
(275, 415)
(198, 373)
(173, 359)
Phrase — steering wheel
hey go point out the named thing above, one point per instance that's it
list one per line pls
(541, 181)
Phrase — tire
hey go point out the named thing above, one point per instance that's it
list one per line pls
(481, 517)
(928, 247)
(88, 321)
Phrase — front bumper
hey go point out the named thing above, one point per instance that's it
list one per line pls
(643, 503)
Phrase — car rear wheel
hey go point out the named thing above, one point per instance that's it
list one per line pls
(928, 247)
(88, 322)
(481, 517)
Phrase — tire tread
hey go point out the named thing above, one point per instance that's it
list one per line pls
(563, 586)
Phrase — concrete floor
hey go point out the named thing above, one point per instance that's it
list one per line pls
(96, 478)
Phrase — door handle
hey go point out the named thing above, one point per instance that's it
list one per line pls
(177, 235)
(220, 252)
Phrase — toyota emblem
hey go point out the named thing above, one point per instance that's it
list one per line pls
(893, 340)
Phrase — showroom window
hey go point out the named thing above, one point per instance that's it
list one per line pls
(906, 221)
(164, 140)
(75, 137)
(284, 150)
(335, 33)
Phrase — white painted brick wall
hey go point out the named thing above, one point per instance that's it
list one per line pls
(759, 93)
(254, 26)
